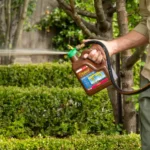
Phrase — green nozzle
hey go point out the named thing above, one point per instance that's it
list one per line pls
(72, 52)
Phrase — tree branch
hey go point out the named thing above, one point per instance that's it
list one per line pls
(72, 4)
(111, 11)
(90, 26)
(73, 13)
(86, 13)
(101, 19)
(135, 57)
(64, 5)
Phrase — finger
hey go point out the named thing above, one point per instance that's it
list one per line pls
(102, 53)
(93, 55)
(99, 59)
(87, 40)
(85, 56)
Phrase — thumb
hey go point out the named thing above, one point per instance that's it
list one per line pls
(87, 40)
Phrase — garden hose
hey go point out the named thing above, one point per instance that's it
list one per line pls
(110, 69)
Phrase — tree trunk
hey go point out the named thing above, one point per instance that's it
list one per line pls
(20, 24)
(127, 79)
(102, 29)
(8, 22)
(7, 19)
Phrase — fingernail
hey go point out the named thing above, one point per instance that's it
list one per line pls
(85, 56)
(93, 51)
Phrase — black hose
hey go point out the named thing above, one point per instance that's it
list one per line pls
(110, 71)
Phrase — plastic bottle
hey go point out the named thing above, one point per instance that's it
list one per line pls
(93, 77)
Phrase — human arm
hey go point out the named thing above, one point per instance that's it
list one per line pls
(130, 40)
(137, 37)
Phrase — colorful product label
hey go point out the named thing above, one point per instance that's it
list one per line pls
(91, 79)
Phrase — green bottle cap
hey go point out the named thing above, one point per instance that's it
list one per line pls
(72, 52)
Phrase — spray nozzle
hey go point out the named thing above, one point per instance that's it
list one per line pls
(72, 51)
(70, 47)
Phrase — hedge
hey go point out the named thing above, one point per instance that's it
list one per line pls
(47, 74)
(53, 111)
(116, 142)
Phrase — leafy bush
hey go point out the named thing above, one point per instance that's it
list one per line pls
(58, 112)
(116, 142)
(48, 74)
(67, 32)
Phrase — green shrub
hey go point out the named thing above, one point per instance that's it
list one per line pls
(53, 111)
(116, 142)
(48, 74)
(67, 30)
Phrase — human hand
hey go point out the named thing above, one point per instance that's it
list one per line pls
(95, 52)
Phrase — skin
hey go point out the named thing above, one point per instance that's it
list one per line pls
(131, 40)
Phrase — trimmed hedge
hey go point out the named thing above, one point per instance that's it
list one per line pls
(53, 111)
(116, 142)
(47, 74)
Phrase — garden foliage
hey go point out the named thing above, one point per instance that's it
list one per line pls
(50, 101)
(116, 142)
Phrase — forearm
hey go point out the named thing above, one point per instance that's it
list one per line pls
(130, 40)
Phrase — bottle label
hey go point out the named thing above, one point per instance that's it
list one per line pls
(91, 79)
